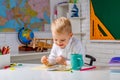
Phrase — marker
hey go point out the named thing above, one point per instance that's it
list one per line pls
(71, 71)
(7, 50)
(0, 52)
(89, 68)
(5, 67)
(3, 48)
(13, 64)
(20, 65)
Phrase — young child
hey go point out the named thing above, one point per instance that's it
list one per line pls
(64, 43)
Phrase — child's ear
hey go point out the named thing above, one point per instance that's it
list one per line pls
(71, 34)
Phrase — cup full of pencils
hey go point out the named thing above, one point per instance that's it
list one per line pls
(4, 50)
(4, 56)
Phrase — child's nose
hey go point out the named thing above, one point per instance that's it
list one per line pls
(59, 42)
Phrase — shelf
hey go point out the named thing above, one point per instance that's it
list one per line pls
(81, 18)
(29, 53)
(106, 41)
(66, 10)
(81, 33)
(63, 5)
(27, 56)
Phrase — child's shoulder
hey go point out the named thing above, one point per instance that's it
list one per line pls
(74, 39)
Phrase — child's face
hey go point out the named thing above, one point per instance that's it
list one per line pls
(61, 39)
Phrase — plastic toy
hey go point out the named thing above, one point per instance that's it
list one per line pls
(75, 11)
(42, 44)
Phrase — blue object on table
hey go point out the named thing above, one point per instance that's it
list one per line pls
(76, 61)
(115, 60)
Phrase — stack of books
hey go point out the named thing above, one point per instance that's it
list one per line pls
(114, 64)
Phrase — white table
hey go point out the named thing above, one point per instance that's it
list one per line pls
(26, 72)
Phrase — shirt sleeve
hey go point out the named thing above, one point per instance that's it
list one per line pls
(52, 55)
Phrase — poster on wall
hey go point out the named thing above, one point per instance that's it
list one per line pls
(104, 20)
(15, 14)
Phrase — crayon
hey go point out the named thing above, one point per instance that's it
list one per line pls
(13, 64)
(0, 52)
(7, 50)
(5, 67)
(3, 48)
(89, 68)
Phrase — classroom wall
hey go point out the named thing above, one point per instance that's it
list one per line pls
(103, 51)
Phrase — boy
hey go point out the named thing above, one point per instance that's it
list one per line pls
(64, 43)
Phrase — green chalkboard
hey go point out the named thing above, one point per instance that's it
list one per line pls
(108, 12)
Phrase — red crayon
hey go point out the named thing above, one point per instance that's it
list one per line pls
(0, 52)
(89, 68)
(7, 50)
(3, 49)
(4, 52)
(5, 67)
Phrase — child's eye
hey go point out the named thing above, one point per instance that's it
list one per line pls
(62, 40)
(55, 39)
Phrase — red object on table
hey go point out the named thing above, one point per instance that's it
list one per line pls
(88, 68)
(5, 67)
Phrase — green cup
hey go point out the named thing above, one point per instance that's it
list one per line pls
(76, 61)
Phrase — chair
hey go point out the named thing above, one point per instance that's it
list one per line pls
(92, 59)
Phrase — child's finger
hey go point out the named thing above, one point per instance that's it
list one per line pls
(64, 63)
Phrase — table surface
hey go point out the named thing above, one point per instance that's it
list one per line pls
(38, 72)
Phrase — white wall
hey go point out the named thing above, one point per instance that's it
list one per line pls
(103, 51)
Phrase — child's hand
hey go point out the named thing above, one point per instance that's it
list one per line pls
(44, 60)
(61, 60)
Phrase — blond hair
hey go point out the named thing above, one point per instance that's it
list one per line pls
(61, 25)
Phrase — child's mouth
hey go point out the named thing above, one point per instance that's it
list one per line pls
(61, 45)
